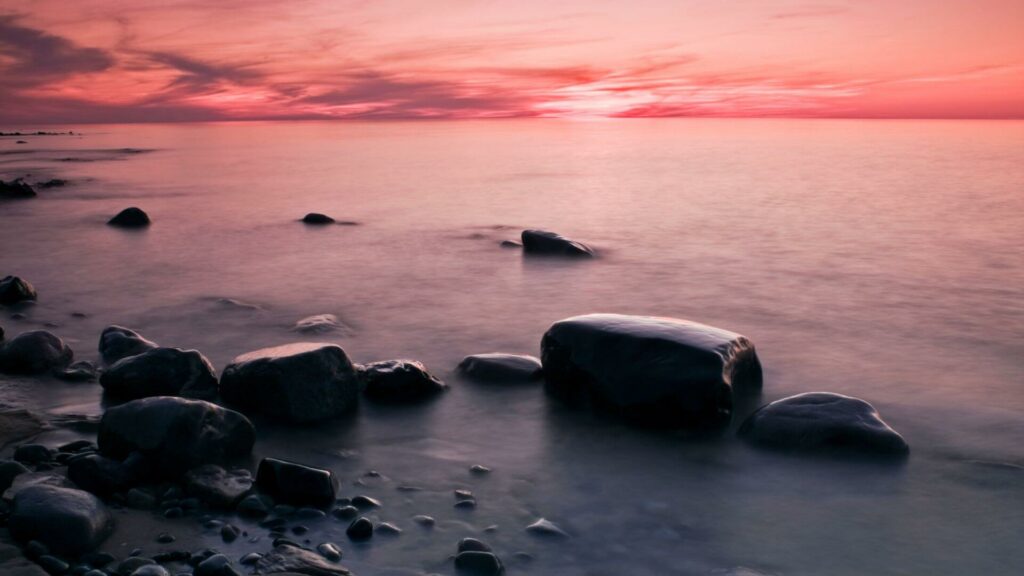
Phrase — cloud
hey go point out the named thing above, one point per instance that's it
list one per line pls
(36, 57)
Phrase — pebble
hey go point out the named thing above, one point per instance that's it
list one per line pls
(250, 558)
(52, 564)
(479, 470)
(363, 502)
(466, 504)
(360, 529)
(174, 512)
(422, 520)
(388, 529)
(473, 545)
(463, 495)
(329, 551)
(229, 533)
(544, 527)
(345, 512)
(165, 538)
(308, 513)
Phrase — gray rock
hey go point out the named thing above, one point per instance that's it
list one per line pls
(501, 368)
(296, 484)
(318, 324)
(161, 372)
(218, 487)
(292, 559)
(151, 570)
(549, 243)
(652, 371)
(18, 424)
(544, 527)
(34, 352)
(117, 342)
(399, 381)
(130, 218)
(424, 520)
(216, 565)
(329, 551)
(478, 563)
(255, 506)
(14, 290)
(69, 522)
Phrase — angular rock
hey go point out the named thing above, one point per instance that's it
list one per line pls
(69, 522)
(318, 324)
(218, 487)
(399, 381)
(130, 218)
(653, 371)
(296, 484)
(117, 342)
(16, 189)
(255, 506)
(549, 243)
(13, 290)
(478, 563)
(287, 558)
(216, 565)
(34, 352)
(161, 372)
(544, 527)
(822, 422)
(501, 368)
(81, 371)
(298, 383)
(317, 218)
(175, 434)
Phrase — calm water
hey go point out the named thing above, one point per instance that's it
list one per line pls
(880, 259)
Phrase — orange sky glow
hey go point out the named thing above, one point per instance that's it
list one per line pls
(189, 60)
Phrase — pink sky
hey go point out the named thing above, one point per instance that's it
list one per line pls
(134, 60)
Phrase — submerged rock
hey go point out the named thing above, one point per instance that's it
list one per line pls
(161, 372)
(16, 189)
(317, 218)
(501, 368)
(544, 527)
(653, 371)
(478, 563)
(18, 424)
(510, 244)
(68, 521)
(297, 383)
(117, 342)
(218, 487)
(9, 470)
(287, 558)
(81, 371)
(544, 242)
(14, 289)
(822, 422)
(296, 484)
(318, 324)
(34, 352)
(399, 381)
(130, 218)
(175, 434)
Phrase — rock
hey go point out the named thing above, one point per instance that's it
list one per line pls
(424, 520)
(14, 290)
(250, 558)
(103, 476)
(501, 368)
(329, 551)
(81, 371)
(216, 565)
(52, 183)
(229, 533)
(175, 434)
(345, 512)
(387, 529)
(52, 565)
(130, 218)
(318, 324)
(218, 487)
(544, 527)
(466, 504)
(298, 383)
(12, 563)
(473, 545)
(478, 563)
(255, 506)
(70, 522)
(822, 422)
(365, 502)
(360, 529)
(399, 381)
(316, 218)
(34, 352)
(130, 565)
(117, 342)
(549, 243)
(9, 470)
(151, 570)
(33, 453)
(296, 484)
(510, 244)
(140, 499)
(161, 372)
(18, 424)
(653, 371)
(291, 559)
(16, 189)
(463, 495)
(479, 470)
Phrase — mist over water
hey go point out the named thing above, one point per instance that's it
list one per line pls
(879, 259)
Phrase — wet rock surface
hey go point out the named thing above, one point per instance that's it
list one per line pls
(318, 324)
(14, 290)
(117, 342)
(217, 487)
(501, 368)
(291, 559)
(296, 484)
(542, 242)
(161, 372)
(399, 381)
(35, 352)
(130, 218)
(317, 219)
(16, 189)
(67, 521)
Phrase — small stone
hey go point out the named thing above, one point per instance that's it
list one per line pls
(473, 545)
(14, 290)
(479, 470)
(34, 549)
(463, 495)
(387, 528)
(329, 551)
(255, 506)
(229, 533)
(52, 565)
(299, 530)
(308, 513)
(365, 502)
(216, 565)
(250, 558)
(130, 565)
(478, 563)
(317, 218)
(140, 499)
(151, 570)
(425, 521)
(465, 504)
(544, 527)
(165, 538)
(175, 512)
(360, 529)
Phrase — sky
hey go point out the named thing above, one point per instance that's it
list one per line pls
(191, 60)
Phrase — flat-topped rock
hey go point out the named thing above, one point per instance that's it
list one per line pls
(218, 487)
(399, 381)
(130, 218)
(161, 372)
(296, 484)
(298, 383)
(34, 352)
(498, 367)
(550, 243)
(653, 371)
(117, 342)
(822, 422)
(14, 290)
(68, 521)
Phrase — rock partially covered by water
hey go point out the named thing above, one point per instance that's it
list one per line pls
(117, 342)
(175, 434)
(14, 289)
(130, 218)
(544, 242)
(16, 189)
(34, 352)
(296, 383)
(218, 487)
(104, 476)
(161, 372)
(653, 371)
(318, 324)
(478, 563)
(501, 368)
(822, 422)
(289, 559)
(69, 522)
(399, 381)
(317, 218)
(295, 484)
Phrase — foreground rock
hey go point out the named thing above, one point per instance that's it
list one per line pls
(822, 422)
(117, 342)
(295, 484)
(174, 434)
(296, 383)
(130, 218)
(16, 189)
(290, 559)
(161, 372)
(399, 381)
(544, 242)
(69, 522)
(18, 424)
(218, 487)
(104, 476)
(501, 368)
(14, 290)
(653, 371)
(317, 218)
(34, 352)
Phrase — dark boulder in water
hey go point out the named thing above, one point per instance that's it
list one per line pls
(298, 383)
(660, 372)
(399, 381)
(14, 289)
(175, 434)
(117, 342)
(316, 218)
(822, 422)
(478, 563)
(16, 189)
(69, 522)
(544, 242)
(497, 367)
(161, 372)
(296, 484)
(34, 352)
(130, 218)
(360, 529)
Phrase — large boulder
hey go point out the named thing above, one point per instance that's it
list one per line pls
(822, 422)
(34, 352)
(399, 381)
(175, 434)
(550, 243)
(13, 290)
(161, 372)
(653, 371)
(117, 342)
(69, 522)
(298, 383)
(296, 484)
(500, 368)
(130, 218)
